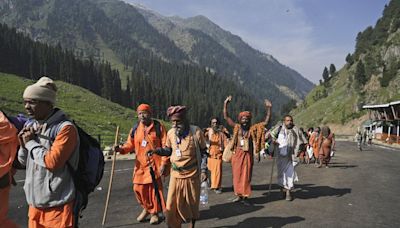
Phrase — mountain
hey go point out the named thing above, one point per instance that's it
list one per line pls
(370, 76)
(195, 34)
(152, 81)
(117, 32)
(96, 115)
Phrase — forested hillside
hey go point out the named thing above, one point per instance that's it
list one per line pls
(370, 76)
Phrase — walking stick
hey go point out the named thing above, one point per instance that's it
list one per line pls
(155, 185)
(111, 177)
(272, 170)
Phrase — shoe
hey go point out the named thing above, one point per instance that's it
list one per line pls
(246, 202)
(154, 219)
(237, 199)
(218, 191)
(142, 216)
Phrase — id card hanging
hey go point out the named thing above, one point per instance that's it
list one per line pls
(144, 143)
(178, 153)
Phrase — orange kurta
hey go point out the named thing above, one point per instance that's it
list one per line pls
(314, 143)
(8, 150)
(146, 139)
(242, 168)
(184, 186)
(214, 163)
(56, 157)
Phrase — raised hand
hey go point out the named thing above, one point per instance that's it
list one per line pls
(228, 99)
(267, 103)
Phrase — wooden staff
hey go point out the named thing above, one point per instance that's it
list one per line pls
(111, 176)
(272, 169)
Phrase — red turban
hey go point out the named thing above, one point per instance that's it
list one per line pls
(176, 111)
(244, 114)
(144, 107)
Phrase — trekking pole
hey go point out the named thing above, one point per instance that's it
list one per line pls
(111, 177)
(272, 170)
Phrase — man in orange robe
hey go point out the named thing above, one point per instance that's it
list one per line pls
(49, 186)
(313, 142)
(217, 136)
(326, 142)
(8, 149)
(149, 134)
(248, 141)
(187, 149)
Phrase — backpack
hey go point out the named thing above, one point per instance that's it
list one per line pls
(157, 126)
(90, 168)
(19, 123)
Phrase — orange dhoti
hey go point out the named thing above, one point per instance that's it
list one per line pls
(215, 167)
(146, 196)
(183, 200)
(242, 168)
(61, 216)
(4, 221)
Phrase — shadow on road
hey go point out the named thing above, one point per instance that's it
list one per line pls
(227, 210)
(304, 191)
(268, 222)
(343, 166)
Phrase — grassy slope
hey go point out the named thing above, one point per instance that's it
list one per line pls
(338, 108)
(93, 113)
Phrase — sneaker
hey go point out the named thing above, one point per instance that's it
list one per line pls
(154, 219)
(142, 216)
(237, 199)
(218, 191)
(246, 202)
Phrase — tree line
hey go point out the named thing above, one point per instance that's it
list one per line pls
(153, 80)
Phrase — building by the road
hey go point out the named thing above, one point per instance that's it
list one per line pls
(384, 121)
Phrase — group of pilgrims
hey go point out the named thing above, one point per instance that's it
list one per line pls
(185, 153)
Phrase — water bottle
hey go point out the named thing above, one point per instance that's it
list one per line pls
(204, 194)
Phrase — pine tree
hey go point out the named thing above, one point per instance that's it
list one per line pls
(325, 74)
(360, 76)
(349, 59)
(332, 69)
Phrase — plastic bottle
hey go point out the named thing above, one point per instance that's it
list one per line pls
(204, 194)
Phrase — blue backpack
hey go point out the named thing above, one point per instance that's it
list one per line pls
(90, 169)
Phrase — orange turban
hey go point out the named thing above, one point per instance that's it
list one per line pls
(144, 107)
(176, 111)
(244, 114)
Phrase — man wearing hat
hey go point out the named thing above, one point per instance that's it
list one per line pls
(149, 134)
(247, 141)
(49, 187)
(187, 149)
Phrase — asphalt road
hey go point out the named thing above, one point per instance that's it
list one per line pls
(359, 190)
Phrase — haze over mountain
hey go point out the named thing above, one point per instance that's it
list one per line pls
(114, 31)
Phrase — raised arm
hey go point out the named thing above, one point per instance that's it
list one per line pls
(226, 117)
(268, 106)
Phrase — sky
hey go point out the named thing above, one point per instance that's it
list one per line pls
(305, 35)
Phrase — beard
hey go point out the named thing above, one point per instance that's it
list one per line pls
(289, 126)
